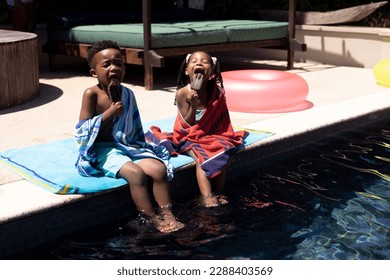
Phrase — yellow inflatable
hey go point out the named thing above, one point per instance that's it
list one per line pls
(382, 72)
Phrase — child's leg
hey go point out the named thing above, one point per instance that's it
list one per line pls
(136, 179)
(115, 163)
(218, 183)
(204, 183)
(156, 170)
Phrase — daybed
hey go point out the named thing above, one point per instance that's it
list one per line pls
(150, 36)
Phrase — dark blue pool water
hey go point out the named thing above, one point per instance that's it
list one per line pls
(329, 200)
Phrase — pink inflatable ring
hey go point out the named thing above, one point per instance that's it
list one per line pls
(265, 91)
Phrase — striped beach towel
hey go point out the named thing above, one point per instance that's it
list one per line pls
(127, 134)
(212, 139)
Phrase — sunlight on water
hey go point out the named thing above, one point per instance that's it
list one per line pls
(359, 228)
(330, 200)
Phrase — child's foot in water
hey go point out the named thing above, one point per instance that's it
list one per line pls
(209, 201)
(169, 222)
(212, 200)
(165, 224)
(222, 199)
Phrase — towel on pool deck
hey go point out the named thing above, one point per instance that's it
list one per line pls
(51, 165)
(212, 139)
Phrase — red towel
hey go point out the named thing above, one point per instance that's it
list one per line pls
(212, 139)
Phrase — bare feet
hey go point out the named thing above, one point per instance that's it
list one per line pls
(209, 201)
(212, 200)
(222, 199)
(161, 224)
(168, 222)
(165, 221)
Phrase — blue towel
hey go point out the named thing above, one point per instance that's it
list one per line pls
(127, 134)
(51, 165)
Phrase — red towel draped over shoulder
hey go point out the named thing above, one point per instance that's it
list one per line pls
(212, 139)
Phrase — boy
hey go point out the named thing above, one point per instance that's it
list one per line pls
(111, 139)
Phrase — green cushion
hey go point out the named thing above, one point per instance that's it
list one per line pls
(176, 34)
(131, 35)
(250, 30)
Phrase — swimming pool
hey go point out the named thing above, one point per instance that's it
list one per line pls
(328, 200)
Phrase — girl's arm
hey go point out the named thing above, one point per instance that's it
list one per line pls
(187, 102)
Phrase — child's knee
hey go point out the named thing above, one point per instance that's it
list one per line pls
(161, 174)
(132, 173)
(158, 171)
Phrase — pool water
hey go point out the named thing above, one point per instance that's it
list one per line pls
(328, 200)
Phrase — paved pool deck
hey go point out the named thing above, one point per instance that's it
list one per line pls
(342, 98)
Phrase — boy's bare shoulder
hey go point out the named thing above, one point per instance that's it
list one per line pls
(91, 91)
(94, 94)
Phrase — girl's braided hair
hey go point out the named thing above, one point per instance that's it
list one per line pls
(183, 79)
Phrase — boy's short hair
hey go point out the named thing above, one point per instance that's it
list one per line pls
(99, 46)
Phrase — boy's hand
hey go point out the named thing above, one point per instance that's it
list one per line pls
(117, 108)
(114, 92)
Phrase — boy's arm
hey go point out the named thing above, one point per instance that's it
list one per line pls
(88, 105)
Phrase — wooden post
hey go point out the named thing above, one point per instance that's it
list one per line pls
(148, 68)
(292, 6)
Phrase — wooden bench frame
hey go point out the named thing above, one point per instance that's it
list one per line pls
(154, 57)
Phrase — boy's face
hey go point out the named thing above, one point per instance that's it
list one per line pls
(199, 62)
(109, 66)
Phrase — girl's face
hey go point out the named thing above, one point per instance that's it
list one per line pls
(109, 67)
(199, 62)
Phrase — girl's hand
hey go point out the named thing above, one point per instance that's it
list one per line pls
(193, 98)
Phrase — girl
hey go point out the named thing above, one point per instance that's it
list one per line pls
(202, 127)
